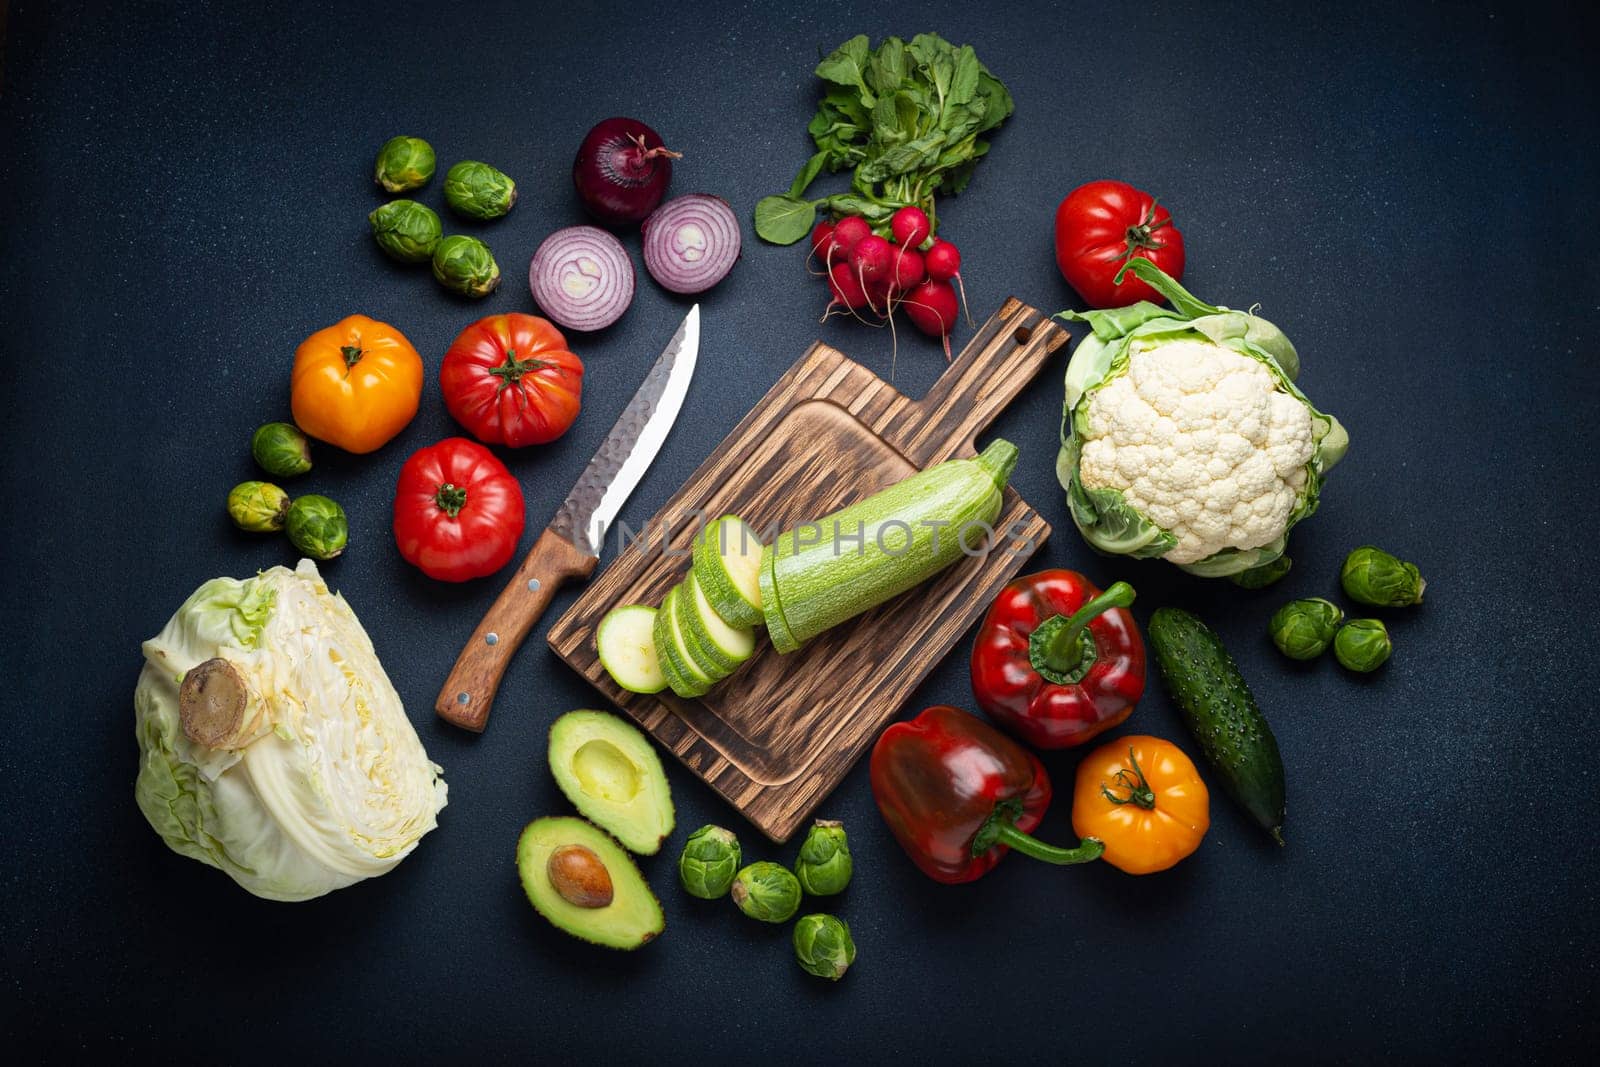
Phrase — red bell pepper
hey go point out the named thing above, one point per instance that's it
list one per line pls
(1057, 661)
(958, 795)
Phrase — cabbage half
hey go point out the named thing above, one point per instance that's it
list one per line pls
(316, 778)
(1104, 518)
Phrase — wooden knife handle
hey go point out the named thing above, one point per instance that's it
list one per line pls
(469, 691)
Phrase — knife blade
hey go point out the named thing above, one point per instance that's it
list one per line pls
(569, 547)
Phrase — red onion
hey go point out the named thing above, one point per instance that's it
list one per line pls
(622, 171)
(582, 278)
(691, 242)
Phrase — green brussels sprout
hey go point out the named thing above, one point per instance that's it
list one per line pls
(465, 265)
(478, 191)
(766, 891)
(1362, 645)
(259, 507)
(317, 526)
(823, 946)
(1302, 628)
(823, 866)
(1262, 576)
(406, 230)
(710, 858)
(404, 163)
(281, 449)
(1372, 576)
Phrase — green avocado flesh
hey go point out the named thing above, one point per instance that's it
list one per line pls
(613, 777)
(631, 919)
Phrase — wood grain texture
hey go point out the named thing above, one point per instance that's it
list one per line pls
(777, 737)
(469, 691)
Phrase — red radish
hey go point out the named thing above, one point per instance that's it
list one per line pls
(845, 286)
(908, 268)
(850, 231)
(932, 307)
(622, 171)
(943, 261)
(873, 257)
(821, 237)
(909, 226)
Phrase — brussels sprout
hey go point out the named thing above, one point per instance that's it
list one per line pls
(1302, 628)
(478, 191)
(823, 867)
(1262, 576)
(823, 946)
(259, 507)
(404, 163)
(767, 891)
(406, 230)
(710, 858)
(281, 450)
(1372, 576)
(465, 265)
(317, 526)
(1362, 645)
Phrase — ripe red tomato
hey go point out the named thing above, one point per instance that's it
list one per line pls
(510, 380)
(1102, 225)
(458, 512)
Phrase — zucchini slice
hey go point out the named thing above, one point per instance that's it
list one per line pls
(710, 638)
(777, 627)
(685, 677)
(727, 564)
(627, 648)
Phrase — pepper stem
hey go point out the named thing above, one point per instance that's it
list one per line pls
(451, 499)
(1001, 829)
(1062, 649)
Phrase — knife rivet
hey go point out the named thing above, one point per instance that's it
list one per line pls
(463, 698)
(533, 585)
(491, 639)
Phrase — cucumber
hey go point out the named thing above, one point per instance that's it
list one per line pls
(727, 564)
(686, 677)
(710, 639)
(627, 648)
(822, 575)
(772, 610)
(1220, 712)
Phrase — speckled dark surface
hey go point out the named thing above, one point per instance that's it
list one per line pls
(1409, 190)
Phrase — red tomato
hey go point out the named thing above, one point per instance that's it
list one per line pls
(457, 511)
(1102, 225)
(510, 380)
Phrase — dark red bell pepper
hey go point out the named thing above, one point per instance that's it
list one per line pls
(958, 795)
(1057, 661)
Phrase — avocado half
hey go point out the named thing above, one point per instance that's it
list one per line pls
(612, 775)
(633, 915)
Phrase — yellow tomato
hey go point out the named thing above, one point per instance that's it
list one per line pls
(355, 384)
(1143, 797)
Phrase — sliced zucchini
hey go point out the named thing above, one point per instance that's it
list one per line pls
(627, 648)
(727, 564)
(777, 627)
(710, 638)
(685, 677)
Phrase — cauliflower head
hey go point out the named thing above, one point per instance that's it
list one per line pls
(1200, 440)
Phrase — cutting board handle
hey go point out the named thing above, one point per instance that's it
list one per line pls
(997, 364)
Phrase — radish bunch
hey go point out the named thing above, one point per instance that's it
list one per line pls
(877, 275)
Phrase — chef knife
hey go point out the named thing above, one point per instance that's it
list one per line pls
(570, 546)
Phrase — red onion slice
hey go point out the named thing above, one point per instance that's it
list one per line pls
(582, 278)
(691, 242)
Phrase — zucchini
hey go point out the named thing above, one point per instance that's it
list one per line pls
(710, 639)
(853, 560)
(727, 564)
(627, 648)
(772, 610)
(686, 677)
(1217, 706)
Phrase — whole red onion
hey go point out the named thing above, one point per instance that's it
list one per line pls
(622, 171)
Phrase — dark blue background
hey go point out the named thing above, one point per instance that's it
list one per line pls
(1410, 190)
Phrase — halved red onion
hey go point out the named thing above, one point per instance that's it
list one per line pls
(582, 278)
(691, 242)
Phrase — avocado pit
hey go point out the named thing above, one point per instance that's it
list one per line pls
(580, 877)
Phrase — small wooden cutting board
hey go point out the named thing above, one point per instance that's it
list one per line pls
(778, 736)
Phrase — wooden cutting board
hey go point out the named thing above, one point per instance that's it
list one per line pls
(777, 737)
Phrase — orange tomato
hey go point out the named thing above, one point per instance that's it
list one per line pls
(355, 384)
(1143, 797)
